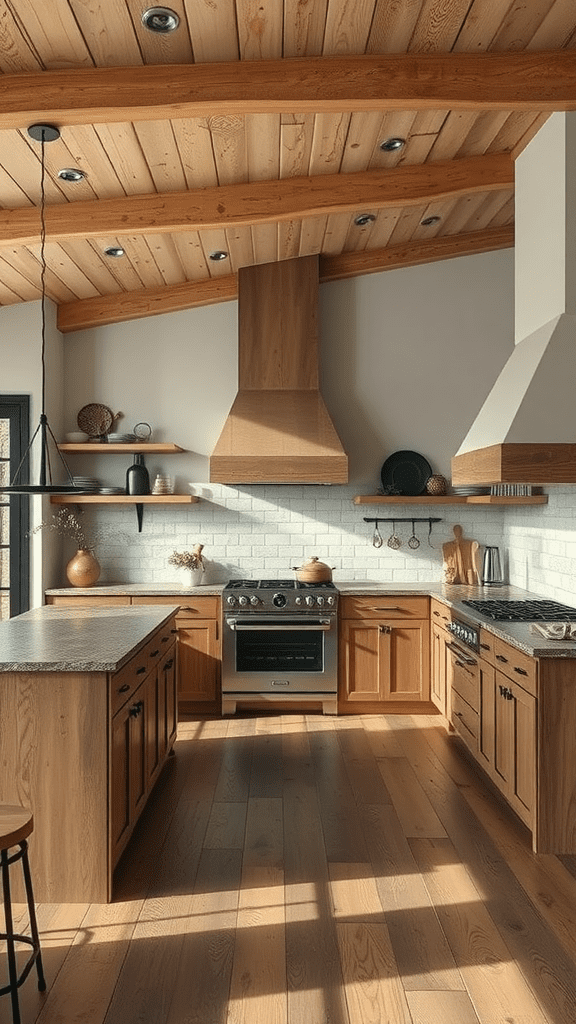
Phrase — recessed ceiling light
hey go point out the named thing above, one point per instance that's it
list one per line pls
(364, 218)
(430, 220)
(389, 145)
(160, 19)
(114, 250)
(217, 255)
(71, 174)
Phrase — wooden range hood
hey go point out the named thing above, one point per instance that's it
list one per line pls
(278, 429)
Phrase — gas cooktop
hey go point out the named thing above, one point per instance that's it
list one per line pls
(524, 611)
(276, 585)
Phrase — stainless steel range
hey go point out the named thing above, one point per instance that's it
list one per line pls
(280, 643)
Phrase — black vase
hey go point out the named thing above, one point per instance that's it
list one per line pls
(137, 478)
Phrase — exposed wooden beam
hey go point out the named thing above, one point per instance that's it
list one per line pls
(261, 201)
(412, 81)
(109, 309)
(412, 254)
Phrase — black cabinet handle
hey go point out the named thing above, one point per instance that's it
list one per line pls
(173, 630)
(520, 671)
(500, 657)
(165, 639)
(154, 653)
(136, 709)
(168, 664)
(140, 670)
(485, 647)
(124, 689)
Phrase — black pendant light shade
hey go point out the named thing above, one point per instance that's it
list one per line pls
(42, 133)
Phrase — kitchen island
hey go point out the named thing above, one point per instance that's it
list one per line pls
(87, 721)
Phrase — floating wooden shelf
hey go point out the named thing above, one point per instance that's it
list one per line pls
(161, 448)
(450, 499)
(123, 499)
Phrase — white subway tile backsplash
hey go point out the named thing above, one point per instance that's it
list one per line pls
(265, 531)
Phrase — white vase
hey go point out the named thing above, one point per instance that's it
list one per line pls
(192, 577)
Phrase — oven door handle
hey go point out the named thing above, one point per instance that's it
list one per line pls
(460, 653)
(324, 625)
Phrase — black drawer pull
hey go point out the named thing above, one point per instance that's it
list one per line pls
(165, 639)
(154, 653)
(168, 664)
(136, 709)
(485, 647)
(124, 689)
(140, 670)
(500, 657)
(520, 671)
(173, 630)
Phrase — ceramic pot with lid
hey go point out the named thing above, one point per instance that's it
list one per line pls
(313, 571)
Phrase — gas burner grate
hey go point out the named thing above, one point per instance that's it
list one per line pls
(524, 611)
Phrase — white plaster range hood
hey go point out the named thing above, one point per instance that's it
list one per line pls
(278, 429)
(526, 430)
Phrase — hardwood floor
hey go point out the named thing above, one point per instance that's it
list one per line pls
(297, 869)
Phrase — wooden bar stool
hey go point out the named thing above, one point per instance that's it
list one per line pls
(16, 824)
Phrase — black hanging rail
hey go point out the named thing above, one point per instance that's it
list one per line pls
(401, 519)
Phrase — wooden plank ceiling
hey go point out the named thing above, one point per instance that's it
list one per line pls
(255, 129)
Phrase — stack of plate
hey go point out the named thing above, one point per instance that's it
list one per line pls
(112, 490)
(121, 438)
(467, 491)
(87, 483)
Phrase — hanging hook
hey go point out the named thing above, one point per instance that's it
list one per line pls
(430, 521)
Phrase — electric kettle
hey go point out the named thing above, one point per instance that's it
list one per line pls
(492, 568)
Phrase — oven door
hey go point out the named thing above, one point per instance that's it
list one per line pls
(279, 654)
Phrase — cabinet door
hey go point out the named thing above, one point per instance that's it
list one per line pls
(487, 711)
(128, 782)
(515, 745)
(385, 661)
(153, 724)
(438, 668)
(198, 660)
(167, 708)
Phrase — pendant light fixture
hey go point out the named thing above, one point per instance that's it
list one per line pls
(42, 133)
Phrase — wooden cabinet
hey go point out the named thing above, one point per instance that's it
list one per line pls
(507, 747)
(199, 650)
(384, 660)
(84, 757)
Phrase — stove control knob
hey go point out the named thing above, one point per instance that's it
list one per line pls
(231, 600)
(320, 600)
(243, 600)
(279, 600)
(298, 600)
(331, 600)
(254, 599)
(309, 601)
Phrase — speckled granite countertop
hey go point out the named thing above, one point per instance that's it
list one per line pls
(516, 633)
(77, 639)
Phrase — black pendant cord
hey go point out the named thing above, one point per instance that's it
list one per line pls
(43, 133)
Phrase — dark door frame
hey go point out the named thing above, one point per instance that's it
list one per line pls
(16, 409)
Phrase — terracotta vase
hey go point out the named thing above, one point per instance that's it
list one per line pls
(83, 569)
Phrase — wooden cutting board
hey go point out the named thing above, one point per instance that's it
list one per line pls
(461, 559)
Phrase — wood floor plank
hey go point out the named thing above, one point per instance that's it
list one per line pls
(226, 827)
(264, 843)
(372, 985)
(343, 836)
(365, 779)
(204, 965)
(416, 814)
(381, 738)
(258, 985)
(441, 1008)
(234, 778)
(354, 893)
(422, 953)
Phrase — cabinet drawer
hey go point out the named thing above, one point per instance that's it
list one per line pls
(190, 607)
(464, 720)
(389, 607)
(487, 646)
(439, 612)
(126, 681)
(465, 683)
(84, 601)
(516, 665)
